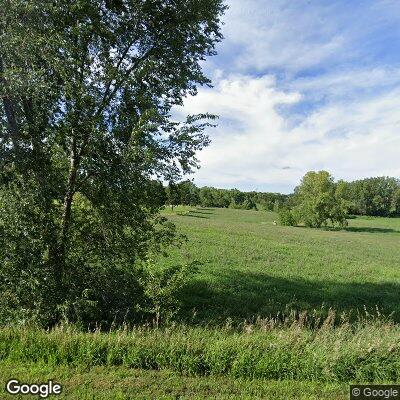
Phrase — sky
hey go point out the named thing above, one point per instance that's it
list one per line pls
(299, 86)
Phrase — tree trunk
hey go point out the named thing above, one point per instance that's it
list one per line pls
(59, 262)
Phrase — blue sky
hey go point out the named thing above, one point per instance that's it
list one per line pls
(302, 85)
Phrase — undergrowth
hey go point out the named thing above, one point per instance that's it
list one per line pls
(368, 351)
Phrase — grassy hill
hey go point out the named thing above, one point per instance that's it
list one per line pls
(250, 267)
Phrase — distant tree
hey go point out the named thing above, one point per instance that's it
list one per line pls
(395, 206)
(249, 204)
(287, 217)
(277, 205)
(234, 198)
(237, 198)
(173, 194)
(189, 193)
(372, 196)
(318, 200)
(221, 198)
(207, 197)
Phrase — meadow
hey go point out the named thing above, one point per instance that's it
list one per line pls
(252, 268)
(274, 312)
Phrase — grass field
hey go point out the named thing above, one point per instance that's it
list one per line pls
(254, 268)
(256, 321)
(116, 383)
(274, 362)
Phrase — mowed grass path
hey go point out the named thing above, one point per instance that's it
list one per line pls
(119, 383)
(250, 267)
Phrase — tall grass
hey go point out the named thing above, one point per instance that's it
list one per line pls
(365, 352)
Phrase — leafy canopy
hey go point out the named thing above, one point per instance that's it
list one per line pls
(86, 137)
(318, 200)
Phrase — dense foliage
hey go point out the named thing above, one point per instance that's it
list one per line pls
(188, 194)
(86, 137)
(318, 201)
(378, 196)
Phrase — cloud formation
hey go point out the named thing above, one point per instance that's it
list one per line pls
(303, 86)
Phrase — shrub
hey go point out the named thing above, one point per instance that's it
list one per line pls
(287, 217)
(162, 287)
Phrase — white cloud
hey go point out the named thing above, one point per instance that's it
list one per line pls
(302, 85)
(294, 36)
(348, 81)
(282, 33)
(255, 147)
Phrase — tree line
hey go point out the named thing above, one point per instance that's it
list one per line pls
(319, 200)
(187, 193)
(378, 196)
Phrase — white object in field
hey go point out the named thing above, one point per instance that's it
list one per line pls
(275, 223)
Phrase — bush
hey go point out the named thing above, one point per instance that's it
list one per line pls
(27, 284)
(162, 288)
(104, 296)
(287, 217)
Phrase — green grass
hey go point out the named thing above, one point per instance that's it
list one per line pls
(276, 312)
(342, 354)
(261, 360)
(117, 383)
(254, 268)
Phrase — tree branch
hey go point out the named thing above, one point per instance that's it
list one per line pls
(10, 109)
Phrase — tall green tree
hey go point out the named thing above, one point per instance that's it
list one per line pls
(86, 91)
(189, 193)
(372, 196)
(395, 206)
(319, 200)
(173, 194)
